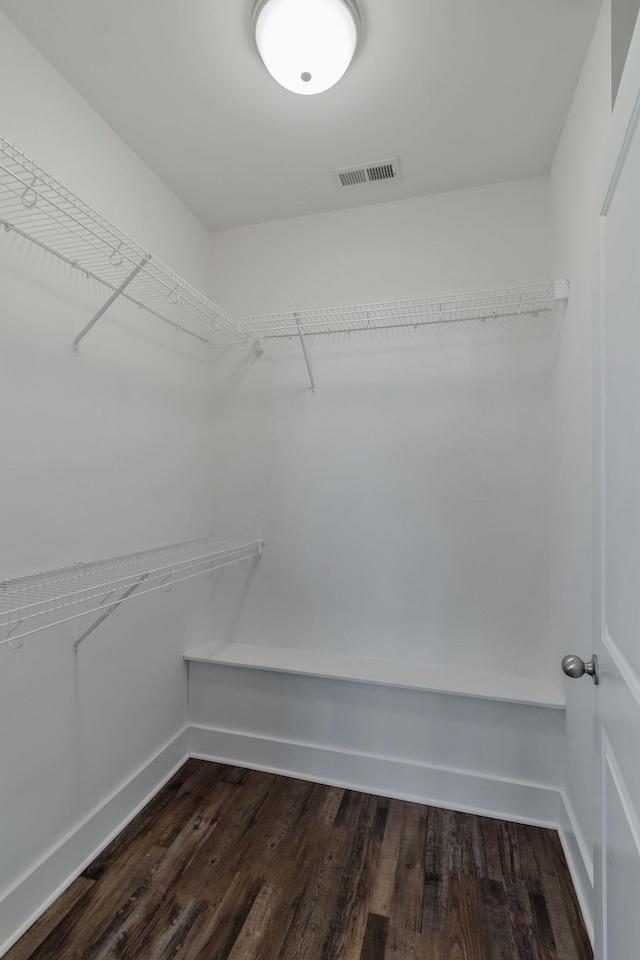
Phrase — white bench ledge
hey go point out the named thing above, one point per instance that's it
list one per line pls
(456, 681)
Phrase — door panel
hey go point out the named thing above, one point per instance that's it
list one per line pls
(622, 408)
(618, 646)
(621, 862)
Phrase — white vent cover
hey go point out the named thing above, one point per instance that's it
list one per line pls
(367, 173)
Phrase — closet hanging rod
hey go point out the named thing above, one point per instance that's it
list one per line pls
(39, 208)
(38, 601)
(509, 302)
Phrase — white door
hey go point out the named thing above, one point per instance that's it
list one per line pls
(617, 875)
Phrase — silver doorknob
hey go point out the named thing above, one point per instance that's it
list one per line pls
(576, 667)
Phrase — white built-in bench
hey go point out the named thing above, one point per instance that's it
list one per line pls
(455, 681)
(473, 740)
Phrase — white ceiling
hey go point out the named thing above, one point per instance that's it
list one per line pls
(465, 92)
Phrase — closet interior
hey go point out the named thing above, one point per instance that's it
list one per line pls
(329, 529)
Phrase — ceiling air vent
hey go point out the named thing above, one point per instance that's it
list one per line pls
(367, 173)
(349, 178)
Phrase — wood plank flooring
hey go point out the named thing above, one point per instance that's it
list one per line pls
(231, 864)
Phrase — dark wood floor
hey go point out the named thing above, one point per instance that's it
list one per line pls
(228, 863)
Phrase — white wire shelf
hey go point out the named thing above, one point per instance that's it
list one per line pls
(529, 300)
(38, 207)
(42, 600)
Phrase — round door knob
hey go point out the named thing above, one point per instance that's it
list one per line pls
(576, 667)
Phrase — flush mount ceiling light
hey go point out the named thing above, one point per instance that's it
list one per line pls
(306, 45)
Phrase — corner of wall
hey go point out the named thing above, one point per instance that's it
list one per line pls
(34, 892)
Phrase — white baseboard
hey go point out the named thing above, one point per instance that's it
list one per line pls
(467, 792)
(35, 892)
(579, 860)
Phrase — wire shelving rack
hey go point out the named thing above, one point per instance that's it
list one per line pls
(530, 300)
(36, 602)
(39, 208)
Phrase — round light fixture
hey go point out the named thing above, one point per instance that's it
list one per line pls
(306, 45)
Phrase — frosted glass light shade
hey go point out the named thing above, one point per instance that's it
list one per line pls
(306, 45)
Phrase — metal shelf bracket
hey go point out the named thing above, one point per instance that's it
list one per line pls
(306, 355)
(114, 296)
(111, 609)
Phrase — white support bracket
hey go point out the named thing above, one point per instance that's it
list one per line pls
(111, 609)
(134, 273)
(306, 355)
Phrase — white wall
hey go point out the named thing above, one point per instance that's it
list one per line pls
(103, 453)
(47, 119)
(405, 504)
(624, 14)
(446, 243)
(576, 202)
